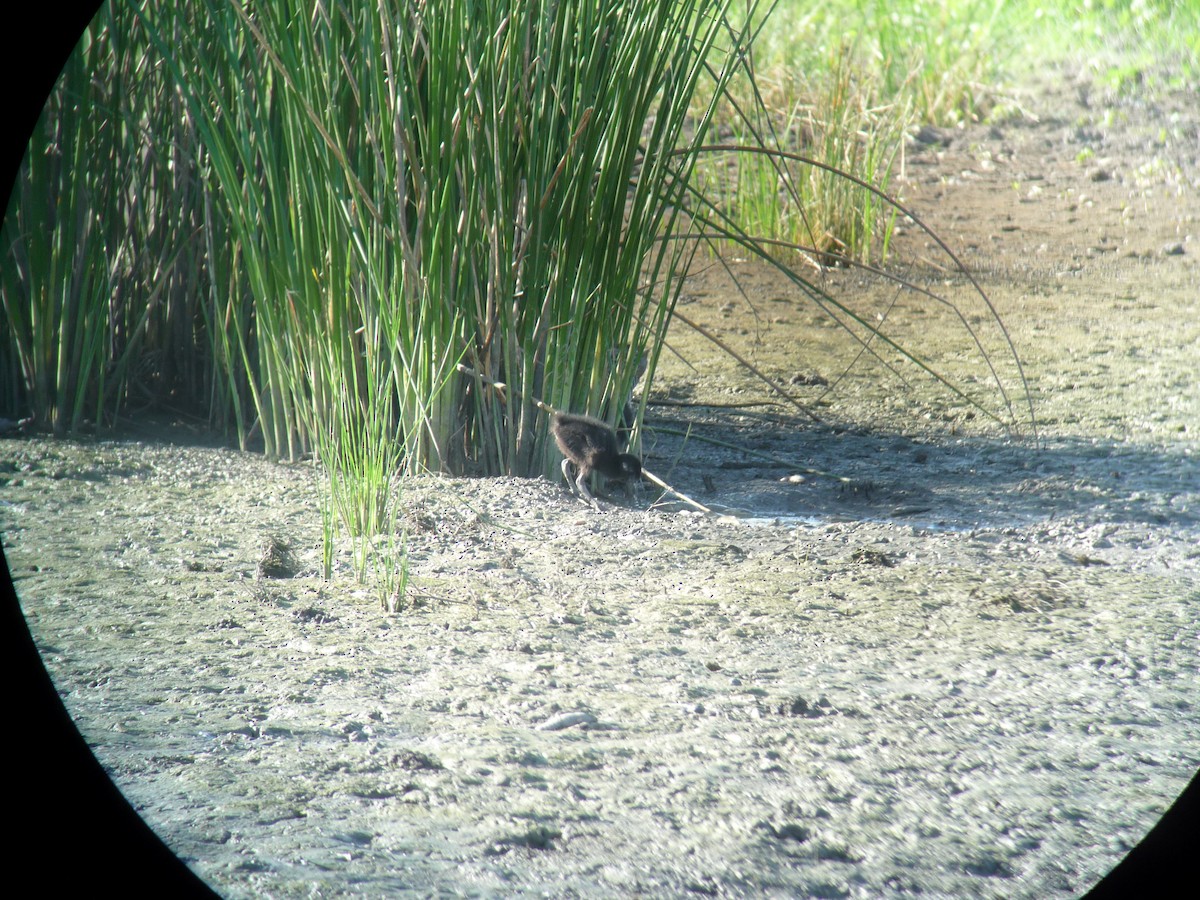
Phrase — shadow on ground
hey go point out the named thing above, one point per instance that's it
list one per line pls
(819, 474)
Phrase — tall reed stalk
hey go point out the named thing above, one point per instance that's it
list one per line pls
(100, 257)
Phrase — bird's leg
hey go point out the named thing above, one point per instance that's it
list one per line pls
(578, 484)
(581, 483)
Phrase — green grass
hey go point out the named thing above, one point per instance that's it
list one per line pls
(842, 83)
(1120, 42)
(844, 80)
(843, 123)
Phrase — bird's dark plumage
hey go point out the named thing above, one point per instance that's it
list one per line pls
(591, 446)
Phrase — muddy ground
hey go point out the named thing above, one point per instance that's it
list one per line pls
(917, 653)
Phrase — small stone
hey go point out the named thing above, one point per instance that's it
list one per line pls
(567, 720)
(790, 831)
(276, 560)
(929, 135)
(414, 760)
(540, 837)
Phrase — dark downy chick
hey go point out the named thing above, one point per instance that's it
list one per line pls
(591, 446)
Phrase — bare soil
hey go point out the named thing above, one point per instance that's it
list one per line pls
(915, 652)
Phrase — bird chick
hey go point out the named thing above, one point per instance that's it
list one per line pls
(591, 446)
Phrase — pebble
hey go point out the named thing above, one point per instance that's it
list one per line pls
(567, 720)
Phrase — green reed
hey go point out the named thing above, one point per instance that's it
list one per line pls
(99, 241)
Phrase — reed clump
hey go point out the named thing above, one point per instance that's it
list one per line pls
(332, 228)
(309, 215)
